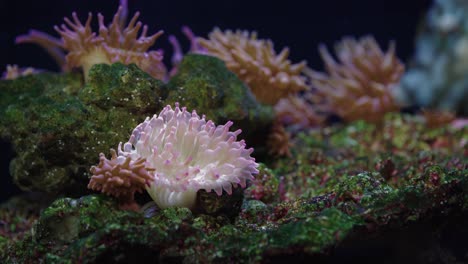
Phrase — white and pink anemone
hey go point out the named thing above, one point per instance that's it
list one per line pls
(188, 154)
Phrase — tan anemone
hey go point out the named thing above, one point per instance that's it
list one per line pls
(278, 141)
(270, 76)
(359, 85)
(120, 176)
(114, 43)
(302, 111)
(13, 71)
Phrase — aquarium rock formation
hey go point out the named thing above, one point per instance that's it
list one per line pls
(326, 168)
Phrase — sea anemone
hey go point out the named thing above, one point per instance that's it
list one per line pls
(278, 141)
(360, 85)
(270, 76)
(113, 43)
(178, 54)
(189, 154)
(120, 176)
(13, 71)
(52, 45)
(301, 111)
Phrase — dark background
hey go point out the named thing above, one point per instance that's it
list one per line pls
(299, 25)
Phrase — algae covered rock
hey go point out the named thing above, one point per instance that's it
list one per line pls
(341, 184)
(94, 230)
(399, 150)
(58, 126)
(18, 214)
(205, 84)
(265, 186)
(327, 198)
(358, 193)
(66, 219)
(210, 203)
(120, 86)
(38, 116)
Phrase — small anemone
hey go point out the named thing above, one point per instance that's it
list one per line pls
(120, 177)
(278, 141)
(301, 111)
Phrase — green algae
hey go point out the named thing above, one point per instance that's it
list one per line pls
(91, 227)
(204, 83)
(120, 86)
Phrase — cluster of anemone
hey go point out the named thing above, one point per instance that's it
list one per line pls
(360, 84)
(270, 76)
(113, 43)
(175, 154)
